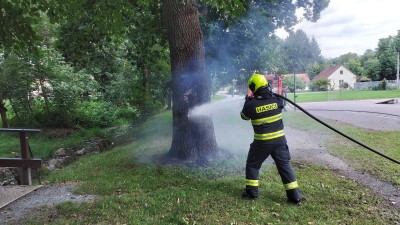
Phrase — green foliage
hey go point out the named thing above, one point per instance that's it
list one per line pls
(397, 41)
(381, 86)
(46, 88)
(371, 67)
(300, 52)
(289, 81)
(236, 46)
(235, 7)
(16, 21)
(387, 56)
(314, 69)
(103, 114)
(45, 143)
(16, 78)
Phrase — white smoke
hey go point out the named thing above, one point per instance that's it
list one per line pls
(232, 133)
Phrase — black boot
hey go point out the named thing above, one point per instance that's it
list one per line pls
(250, 194)
(294, 196)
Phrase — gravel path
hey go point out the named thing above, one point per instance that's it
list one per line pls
(9, 193)
(48, 195)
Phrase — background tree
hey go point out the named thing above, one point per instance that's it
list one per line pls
(289, 81)
(321, 84)
(300, 52)
(148, 51)
(315, 68)
(370, 64)
(387, 56)
(351, 61)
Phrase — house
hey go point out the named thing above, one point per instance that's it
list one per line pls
(302, 76)
(338, 76)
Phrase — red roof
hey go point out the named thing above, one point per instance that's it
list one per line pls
(326, 72)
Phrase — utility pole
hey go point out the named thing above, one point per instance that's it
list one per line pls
(397, 75)
(233, 86)
(397, 47)
(294, 89)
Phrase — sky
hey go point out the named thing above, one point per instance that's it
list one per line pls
(352, 26)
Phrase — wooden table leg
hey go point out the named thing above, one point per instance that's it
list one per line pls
(26, 178)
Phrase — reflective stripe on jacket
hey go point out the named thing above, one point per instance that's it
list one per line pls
(265, 113)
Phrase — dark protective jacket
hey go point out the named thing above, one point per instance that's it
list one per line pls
(265, 113)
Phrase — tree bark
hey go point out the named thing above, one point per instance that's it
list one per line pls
(3, 113)
(193, 137)
(44, 94)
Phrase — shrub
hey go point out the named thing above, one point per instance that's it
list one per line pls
(345, 85)
(103, 114)
(382, 86)
(321, 84)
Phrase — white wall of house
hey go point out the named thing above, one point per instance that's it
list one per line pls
(340, 76)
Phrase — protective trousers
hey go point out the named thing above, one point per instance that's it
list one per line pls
(258, 153)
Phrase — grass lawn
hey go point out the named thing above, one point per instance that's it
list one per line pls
(342, 95)
(362, 159)
(44, 144)
(132, 189)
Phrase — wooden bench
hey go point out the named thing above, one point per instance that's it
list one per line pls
(25, 162)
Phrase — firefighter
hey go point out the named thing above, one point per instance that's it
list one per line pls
(265, 112)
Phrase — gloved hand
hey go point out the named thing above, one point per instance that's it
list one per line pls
(248, 98)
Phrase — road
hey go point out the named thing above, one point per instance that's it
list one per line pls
(361, 113)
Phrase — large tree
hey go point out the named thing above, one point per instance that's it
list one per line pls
(193, 137)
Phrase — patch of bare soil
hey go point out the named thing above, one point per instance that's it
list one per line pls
(309, 146)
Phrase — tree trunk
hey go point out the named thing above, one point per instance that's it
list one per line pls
(44, 94)
(3, 113)
(193, 138)
(146, 98)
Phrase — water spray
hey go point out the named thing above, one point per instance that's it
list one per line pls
(337, 131)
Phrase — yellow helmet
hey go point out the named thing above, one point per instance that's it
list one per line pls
(256, 81)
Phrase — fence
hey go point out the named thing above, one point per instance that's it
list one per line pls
(390, 84)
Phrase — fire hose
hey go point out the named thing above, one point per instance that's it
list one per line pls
(337, 131)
